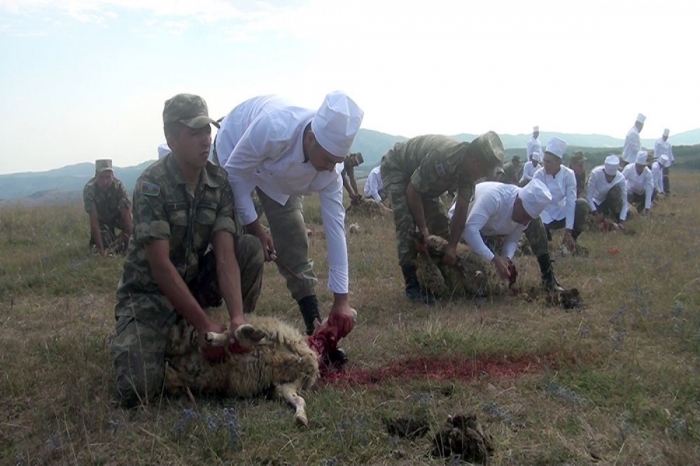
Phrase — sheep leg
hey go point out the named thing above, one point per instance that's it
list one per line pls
(288, 392)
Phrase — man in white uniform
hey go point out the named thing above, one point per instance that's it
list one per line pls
(640, 185)
(565, 210)
(283, 152)
(529, 169)
(499, 209)
(534, 146)
(607, 191)
(373, 186)
(663, 147)
(657, 173)
(632, 142)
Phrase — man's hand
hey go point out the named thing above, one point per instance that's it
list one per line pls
(450, 257)
(211, 353)
(501, 265)
(342, 317)
(421, 245)
(355, 199)
(569, 241)
(267, 244)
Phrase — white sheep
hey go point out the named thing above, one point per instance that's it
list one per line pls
(279, 358)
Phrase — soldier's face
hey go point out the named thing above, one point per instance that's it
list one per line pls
(104, 180)
(191, 145)
(577, 167)
(320, 158)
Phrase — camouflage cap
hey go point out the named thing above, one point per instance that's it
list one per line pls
(189, 109)
(359, 158)
(578, 157)
(516, 158)
(490, 145)
(103, 165)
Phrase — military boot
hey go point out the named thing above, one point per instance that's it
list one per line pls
(413, 289)
(549, 281)
(310, 312)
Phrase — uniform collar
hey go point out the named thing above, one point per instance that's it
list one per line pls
(176, 174)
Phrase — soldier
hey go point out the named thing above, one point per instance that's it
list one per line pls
(607, 191)
(632, 142)
(578, 164)
(186, 254)
(415, 174)
(109, 207)
(499, 209)
(348, 174)
(640, 185)
(283, 152)
(512, 171)
(565, 210)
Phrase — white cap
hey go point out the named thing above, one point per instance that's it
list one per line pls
(336, 123)
(163, 150)
(663, 160)
(535, 129)
(612, 164)
(556, 146)
(535, 197)
(666, 132)
(642, 157)
(641, 118)
(535, 156)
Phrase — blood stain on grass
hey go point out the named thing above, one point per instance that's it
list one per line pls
(446, 368)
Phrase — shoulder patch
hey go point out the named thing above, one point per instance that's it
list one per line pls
(440, 169)
(149, 189)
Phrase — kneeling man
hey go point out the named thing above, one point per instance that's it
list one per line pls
(607, 191)
(640, 184)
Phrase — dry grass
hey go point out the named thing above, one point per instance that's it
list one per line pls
(617, 383)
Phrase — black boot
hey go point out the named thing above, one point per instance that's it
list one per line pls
(413, 289)
(549, 281)
(310, 312)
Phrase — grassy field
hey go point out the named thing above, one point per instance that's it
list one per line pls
(613, 383)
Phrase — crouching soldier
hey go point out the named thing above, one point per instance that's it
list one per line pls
(607, 191)
(108, 205)
(506, 210)
(415, 174)
(186, 254)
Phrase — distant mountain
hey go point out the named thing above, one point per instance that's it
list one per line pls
(372, 144)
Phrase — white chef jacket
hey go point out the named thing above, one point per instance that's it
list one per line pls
(490, 213)
(657, 176)
(598, 188)
(534, 145)
(663, 147)
(528, 171)
(632, 145)
(260, 144)
(374, 184)
(563, 189)
(639, 184)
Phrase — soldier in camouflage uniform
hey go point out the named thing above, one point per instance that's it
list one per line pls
(348, 173)
(187, 253)
(415, 174)
(512, 171)
(108, 205)
(577, 164)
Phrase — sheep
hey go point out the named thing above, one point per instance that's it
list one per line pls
(368, 208)
(274, 355)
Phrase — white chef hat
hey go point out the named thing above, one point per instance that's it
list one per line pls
(556, 146)
(641, 118)
(612, 164)
(163, 150)
(663, 160)
(666, 132)
(642, 157)
(336, 123)
(535, 129)
(535, 156)
(535, 196)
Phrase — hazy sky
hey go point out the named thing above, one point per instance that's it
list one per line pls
(87, 79)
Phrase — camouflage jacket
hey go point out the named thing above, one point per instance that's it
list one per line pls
(581, 185)
(433, 164)
(107, 205)
(165, 208)
(511, 173)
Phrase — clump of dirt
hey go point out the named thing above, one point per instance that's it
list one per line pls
(409, 428)
(462, 436)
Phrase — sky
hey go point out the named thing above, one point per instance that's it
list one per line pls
(87, 79)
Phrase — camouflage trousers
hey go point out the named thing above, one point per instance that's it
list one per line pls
(666, 181)
(111, 241)
(291, 242)
(144, 323)
(435, 218)
(580, 212)
(612, 205)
